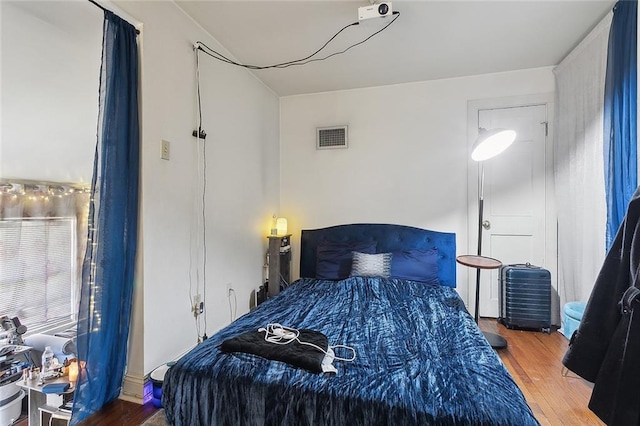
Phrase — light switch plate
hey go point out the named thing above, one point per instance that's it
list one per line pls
(165, 152)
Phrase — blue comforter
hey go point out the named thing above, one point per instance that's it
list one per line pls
(420, 359)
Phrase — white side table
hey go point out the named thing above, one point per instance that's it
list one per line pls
(43, 408)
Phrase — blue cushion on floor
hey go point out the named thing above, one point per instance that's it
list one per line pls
(573, 312)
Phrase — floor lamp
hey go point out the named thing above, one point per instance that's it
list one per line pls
(489, 144)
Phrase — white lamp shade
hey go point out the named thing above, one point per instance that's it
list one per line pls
(281, 225)
(491, 143)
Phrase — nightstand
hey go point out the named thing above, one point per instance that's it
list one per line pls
(279, 262)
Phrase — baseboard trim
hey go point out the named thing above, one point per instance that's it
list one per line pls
(136, 389)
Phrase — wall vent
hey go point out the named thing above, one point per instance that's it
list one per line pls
(332, 137)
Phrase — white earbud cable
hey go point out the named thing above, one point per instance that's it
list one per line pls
(282, 335)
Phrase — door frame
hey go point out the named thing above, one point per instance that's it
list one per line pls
(550, 237)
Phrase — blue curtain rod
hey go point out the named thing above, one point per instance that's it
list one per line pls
(104, 9)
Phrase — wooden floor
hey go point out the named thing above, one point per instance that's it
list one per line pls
(118, 413)
(121, 413)
(532, 358)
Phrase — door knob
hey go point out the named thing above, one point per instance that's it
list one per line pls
(486, 224)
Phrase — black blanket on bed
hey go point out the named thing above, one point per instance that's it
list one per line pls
(293, 353)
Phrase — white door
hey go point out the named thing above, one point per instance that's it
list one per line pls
(515, 200)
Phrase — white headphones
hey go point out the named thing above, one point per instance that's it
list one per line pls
(279, 334)
(282, 335)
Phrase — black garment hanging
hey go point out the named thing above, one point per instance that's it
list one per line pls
(605, 349)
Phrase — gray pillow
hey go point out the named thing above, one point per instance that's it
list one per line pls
(371, 265)
(334, 260)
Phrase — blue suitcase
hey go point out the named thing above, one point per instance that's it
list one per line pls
(525, 297)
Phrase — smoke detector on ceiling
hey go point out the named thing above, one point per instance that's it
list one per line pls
(375, 10)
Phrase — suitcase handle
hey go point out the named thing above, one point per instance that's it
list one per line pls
(526, 265)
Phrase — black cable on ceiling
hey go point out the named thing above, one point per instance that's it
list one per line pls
(302, 61)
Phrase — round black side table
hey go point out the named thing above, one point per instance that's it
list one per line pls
(483, 262)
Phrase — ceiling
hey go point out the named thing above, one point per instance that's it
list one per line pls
(429, 40)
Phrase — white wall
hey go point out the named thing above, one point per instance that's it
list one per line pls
(240, 116)
(407, 157)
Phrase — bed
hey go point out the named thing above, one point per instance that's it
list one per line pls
(420, 357)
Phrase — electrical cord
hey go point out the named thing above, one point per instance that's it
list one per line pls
(201, 241)
(283, 282)
(280, 65)
(281, 335)
(195, 207)
(350, 47)
(204, 230)
(232, 310)
(198, 90)
(302, 61)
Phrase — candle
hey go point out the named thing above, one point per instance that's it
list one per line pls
(73, 371)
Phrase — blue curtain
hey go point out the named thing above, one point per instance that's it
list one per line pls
(108, 268)
(620, 127)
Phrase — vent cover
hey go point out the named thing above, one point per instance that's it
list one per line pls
(332, 137)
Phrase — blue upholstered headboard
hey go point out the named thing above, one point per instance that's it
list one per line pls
(388, 238)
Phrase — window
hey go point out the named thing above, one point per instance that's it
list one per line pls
(42, 234)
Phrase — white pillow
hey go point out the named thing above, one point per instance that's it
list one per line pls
(371, 265)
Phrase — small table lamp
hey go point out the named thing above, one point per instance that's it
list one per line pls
(281, 226)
